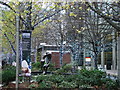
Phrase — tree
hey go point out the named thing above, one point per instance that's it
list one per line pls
(85, 26)
(111, 14)
(8, 31)
(96, 35)
(74, 23)
(31, 14)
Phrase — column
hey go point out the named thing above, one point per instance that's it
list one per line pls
(102, 59)
(113, 51)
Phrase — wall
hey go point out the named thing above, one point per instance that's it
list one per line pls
(56, 59)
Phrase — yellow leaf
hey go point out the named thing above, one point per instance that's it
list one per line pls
(73, 26)
(83, 28)
(45, 15)
(107, 15)
(110, 15)
(80, 8)
(73, 8)
(88, 9)
(67, 6)
(78, 31)
(51, 6)
(72, 14)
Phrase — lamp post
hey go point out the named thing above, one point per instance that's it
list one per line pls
(17, 49)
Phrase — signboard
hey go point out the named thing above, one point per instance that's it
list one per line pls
(26, 46)
(87, 60)
(26, 52)
(26, 35)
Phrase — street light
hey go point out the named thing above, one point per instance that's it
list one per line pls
(17, 49)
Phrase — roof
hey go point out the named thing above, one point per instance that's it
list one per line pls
(50, 51)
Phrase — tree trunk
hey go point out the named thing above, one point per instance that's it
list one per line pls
(118, 56)
(10, 43)
(61, 53)
(36, 43)
(84, 57)
(102, 59)
(95, 61)
(113, 52)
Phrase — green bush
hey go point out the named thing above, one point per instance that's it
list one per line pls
(41, 78)
(91, 73)
(8, 74)
(67, 68)
(56, 78)
(46, 81)
(92, 77)
(71, 78)
(36, 66)
(85, 78)
(51, 67)
(59, 71)
(43, 85)
(66, 84)
(110, 83)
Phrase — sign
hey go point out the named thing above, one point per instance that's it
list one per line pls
(87, 61)
(26, 35)
(26, 52)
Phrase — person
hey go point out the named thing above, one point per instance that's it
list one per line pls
(14, 63)
(26, 71)
(25, 67)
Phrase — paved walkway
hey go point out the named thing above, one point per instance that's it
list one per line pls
(112, 72)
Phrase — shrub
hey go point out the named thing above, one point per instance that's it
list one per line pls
(41, 78)
(110, 83)
(51, 67)
(43, 85)
(71, 78)
(36, 66)
(8, 74)
(66, 84)
(95, 78)
(59, 71)
(92, 77)
(56, 78)
(47, 81)
(67, 68)
(84, 79)
(91, 73)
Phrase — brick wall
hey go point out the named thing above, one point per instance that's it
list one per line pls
(66, 58)
(56, 59)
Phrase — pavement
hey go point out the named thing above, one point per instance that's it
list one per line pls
(112, 72)
(109, 72)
